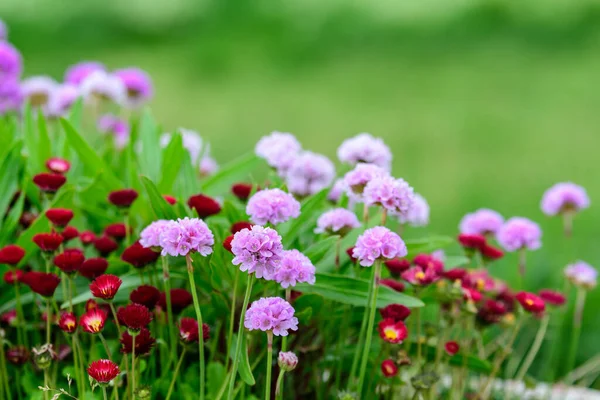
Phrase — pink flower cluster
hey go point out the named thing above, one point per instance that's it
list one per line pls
(150, 235)
(272, 206)
(257, 250)
(295, 268)
(279, 150)
(565, 196)
(481, 222)
(271, 314)
(395, 195)
(338, 221)
(519, 233)
(364, 148)
(417, 214)
(581, 274)
(309, 173)
(357, 179)
(377, 243)
(181, 237)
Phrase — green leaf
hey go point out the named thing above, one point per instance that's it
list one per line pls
(9, 178)
(230, 173)
(12, 220)
(353, 291)
(44, 145)
(244, 369)
(172, 156)
(455, 261)
(307, 218)
(31, 140)
(215, 375)
(161, 207)
(427, 245)
(233, 212)
(150, 155)
(317, 251)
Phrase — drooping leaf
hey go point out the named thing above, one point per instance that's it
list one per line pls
(9, 176)
(244, 369)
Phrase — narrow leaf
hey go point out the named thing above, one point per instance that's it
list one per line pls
(162, 209)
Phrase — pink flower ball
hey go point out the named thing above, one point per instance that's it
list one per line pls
(181, 237)
(309, 173)
(337, 221)
(78, 72)
(271, 314)
(357, 179)
(395, 195)
(257, 250)
(279, 150)
(418, 213)
(272, 206)
(520, 233)
(565, 196)
(295, 268)
(150, 235)
(378, 243)
(364, 148)
(481, 222)
(138, 84)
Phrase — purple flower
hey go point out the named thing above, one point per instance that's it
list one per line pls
(565, 196)
(183, 236)
(357, 179)
(364, 148)
(150, 235)
(481, 222)
(395, 195)
(271, 314)
(118, 128)
(190, 139)
(272, 206)
(38, 90)
(279, 150)
(208, 166)
(3, 31)
(77, 73)
(258, 250)
(11, 98)
(418, 213)
(336, 191)
(138, 85)
(99, 85)
(337, 221)
(376, 243)
(61, 99)
(294, 268)
(309, 173)
(581, 274)
(520, 233)
(11, 63)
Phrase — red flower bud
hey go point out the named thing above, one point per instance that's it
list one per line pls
(145, 295)
(389, 368)
(17, 355)
(238, 226)
(49, 182)
(103, 371)
(48, 242)
(93, 267)
(170, 199)
(472, 241)
(87, 237)
(105, 245)
(58, 165)
(205, 206)
(13, 276)
(491, 252)
(455, 274)
(134, 316)
(123, 198)
(11, 254)
(93, 320)
(60, 217)
(227, 243)
(180, 299)
(350, 252)
(105, 286)
(67, 322)
(552, 297)
(393, 284)
(397, 312)
(451, 348)
(117, 231)
(397, 266)
(143, 342)
(189, 332)
(530, 302)
(242, 190)
(69, 233)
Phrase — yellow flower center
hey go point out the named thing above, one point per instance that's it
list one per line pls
(70, 324)
(529, 302)
(480, 284)
(390, 333)
(420, 275)
(95, 324)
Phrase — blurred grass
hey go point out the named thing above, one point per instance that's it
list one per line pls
(487, 108)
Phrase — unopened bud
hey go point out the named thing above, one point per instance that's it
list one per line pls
(287, 360)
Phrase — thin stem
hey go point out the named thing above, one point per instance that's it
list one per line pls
(238, 347)
(104, 392)
(127, 228)
(167, 287)
(338, 246)
(535, 347)
(20, 317)
(522, 264)
(418, 338)
(279, 385)
(568, 223)
(70, 292)
(133, 366)
(366, 214)
(269, 364)
(232, 317)
(416, 395)
(3, 373)
(175, 374)
(288, 298)
(106, 348)
(190, 270)
(48, 318)
(76, 366)
(588, 367)
(371, 311)
(340, 347)
(46, 382)
(361, 335)
(577, 317)
(114, 314)
(383, 216)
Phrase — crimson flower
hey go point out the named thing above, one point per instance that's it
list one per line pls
(451, 347)
(93, 320)
(205, 206)
(188, 330)
(58, 165)
(48, 242)
(180, 299)
(241, 190)
(393, 284)
(392, 331)
(350, 252)
(69, 233)
(123, 198)
(470, 294)
(416, 276)
(67, 322)
(170, 199)
(427, 262)
(143, 342)
(103, 371)
(227, 243)
(145, 295)
(134, 316)
(93, 267)
(472, 241)
(42, 283)
(389, 368)
(87, 237)
(49, 182)
(105, 245)
(491, 311)
(396, 312)
(238, 226)
(11, 254)
(491, 253)
(116, 231)
(9, 318)
(69, 261)
(139, 256)
(455, 274)
(17, 355)
(530, 302)
(60, 217)
(13, 276)
(397, 266)
(105, 286)
(552, 297)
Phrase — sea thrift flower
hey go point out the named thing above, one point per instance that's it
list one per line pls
(393, 284)
(116, 127)
(520, 233)
(100, 86)
(134, 316)
(62, 99)
(13, 277)
(581, 274)
(481, 222)
(338, 221)
(17, 355)
(180, 299)
(451, 348)
(396, 312)
(392, 331)
(139, 256)
(145, 295)
(93, 268)
(184, 236)
(69, 261)
(93, 320)
(552, 297)
(294, 268)
(11, 254)
(309, 173)
(364, 148)
(77, 73)
(143, 342)
(397, 266)
(564, 197)
(150, 235)
(42, 283)
(105, 245)
(257, 250)
(58, 165)
(105, 286)
(208, 166)
(11, 98)
(123, 198)
(188, 330)
(530, 302)
(336, 191)
(48, 242)
(356, 180)
(49, 182)
(417, 214)
(272, 206)
(11, 63)
(271, 314)
(69, 233)
(67, 322)
(394, 195)
(138, 85)
(205, 206)
(38, 90)
(279, 150)
(378, 243)
(242, 190)
(103, 371)
(389, 368)
(287, 361)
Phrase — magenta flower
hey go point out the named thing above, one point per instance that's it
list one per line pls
(309, 173)
(481, 222)
(581, 274)
(61, 99)
(357, 179)
(138, 85)
(190, 139)
(257, 250)
(272, 206)
(336, 191)
(77, 73)
(279, 150)
(418, 212)
(11, 63)
(208, 166)
(38, 90)
(181, 237)
(294, 268)
(378, 243)
(118, 128)
(11, 97)
(338, 221)
(99, 85)
(364, 148)
(520, 233)
(394, 195)
(271, 314)
(564, 197)
(150, 235)
(3, 31)
(417, 276)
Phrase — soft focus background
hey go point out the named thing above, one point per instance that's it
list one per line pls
(483, 102)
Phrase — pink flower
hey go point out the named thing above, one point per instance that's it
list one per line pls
(138, 85)
(279, 150)
(150, 235)
(78, 72)
(257, 250)
(520, 233)
(417, 214)
(184, 236)
(392, 331)
(418, 276)
(309, 173)
(294, 268)
(395, 195)
(364, 148)
(581, 274)
(356, 180)
(272, 206)
(271, 314)
(338, 221)
(481, 222)
(563, 197)
(378, 243)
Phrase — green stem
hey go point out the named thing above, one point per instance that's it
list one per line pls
(46, 382)
(127, 228)
(232, 317)
(20, 318)
(76, 366)
(104, 392)
(383, 216)
(269, 364)
(418, 338)
(535, 347)
(340, 348)
(371, 311)
(106, 348)
(175, 374)
(416, 395)
(48, 318)
(190, 270)
(70, 292)
(361, 335)
(279, 385)
(167, 287)
(238, 347)
(288, 298)
(577, 317)
(3, 373)
(133, 366)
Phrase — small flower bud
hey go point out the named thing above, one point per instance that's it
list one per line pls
(287, 361)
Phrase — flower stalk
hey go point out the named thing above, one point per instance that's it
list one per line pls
(269, 364)
(175, 374)
(190, 269)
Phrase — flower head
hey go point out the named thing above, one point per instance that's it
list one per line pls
(146, 295)
(530, 302)
(272, 206)
(491, 253)
(58, 165)
(271, 314)
(105, 245)
(69, 261)
(481, 222)
(418, 212)
(69, 233)
(87, 237)
(208, 166)
(99, 85)
(392, 331)
(134, 316)
(520, 233)
(180, 299)
(14, 276)
(93, 320)
(279, 150)
(378, 243)
(17, 355)
(118, 128)
(105, 286)
(389, 368)
(9, 318)
(451, 347)
(117, 231)
(364, 148)
(257, 250)
(49, 182)
(138, 85)
(38, 90)
(294, 268)
(564, 197)
(48, 242)
(103, 371)
(11, 97)
(184, 236)
(62, 99)
(144, 342)
(42, 283)
(338, 221)
(394, 195)
(552, 297)
(242, 190)
(396, 266)
(419, 276)
(76, 73)
(123, 198)
(188, 330)
(581, 274)
(337, 189)
(93, 267)
(397, 312)
(67, 322)
(11, 62)
(150, 235)
(205, 206)
(309, 173)
(393, 284)
(139, 256)
(287, 361)
(11, 254)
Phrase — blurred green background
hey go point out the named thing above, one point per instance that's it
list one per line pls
(483, 102)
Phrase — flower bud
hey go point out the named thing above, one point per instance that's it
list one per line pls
(287, 361)
(43, 356)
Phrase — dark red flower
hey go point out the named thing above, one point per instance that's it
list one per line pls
(93, 267)
(123, 198)
(455, 274)
(49, 182)
(451, 348)
(48, 242)
(105, 286)
(69, 233)
(146, 295)
(188, 330)
(93, 320)
(491, 252)
(134, 316)
(42, 283)
(205, 206)
(472, 241)
(92, 304)
(139, 256)
(67, 322)
(103, 371)
(491, 311)
(227, 243)
(11, 254)
(530, 302)
(87, 237)
(69, 261)
(238, 226)
(552, 297)
(27, 219)
(389, 368)
(242, 190)
(507, 298)
(350, 251)
(116, 231)
(180, 299)
(58, 165)
(9, 318)
(13, 276)
(397, 266)
(471, 294)
(392, 331)
(17, 355)
(105, 245)
(143, 342)
(397, 312)
(427, 262)
(170, 199)
(393, 284)
(60, 217)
